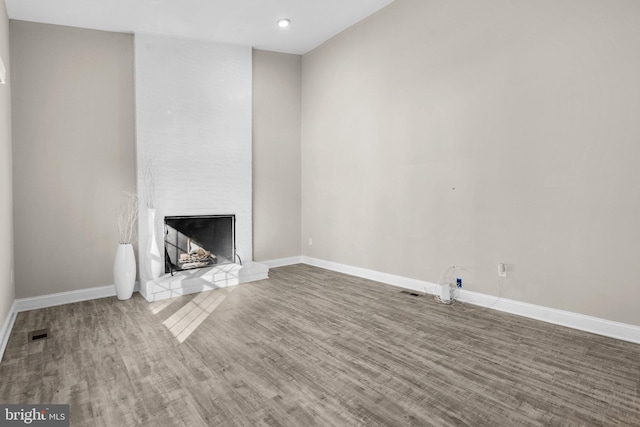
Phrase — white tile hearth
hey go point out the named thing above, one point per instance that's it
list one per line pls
(205, 279)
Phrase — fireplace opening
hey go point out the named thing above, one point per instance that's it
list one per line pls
(192, 242)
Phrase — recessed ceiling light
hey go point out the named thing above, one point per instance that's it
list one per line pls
(284, 23)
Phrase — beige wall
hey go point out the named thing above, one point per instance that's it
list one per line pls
(7, 294)
(471, 133)
(73, 130)
(276, 155)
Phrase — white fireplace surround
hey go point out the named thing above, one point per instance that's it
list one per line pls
(193, 125)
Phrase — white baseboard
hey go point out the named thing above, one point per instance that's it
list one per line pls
(596, 325)
(282, 262)
(7, 326)
(51, 300)
(389, 279)
(621, 331)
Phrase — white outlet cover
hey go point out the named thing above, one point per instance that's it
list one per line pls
(502, 270)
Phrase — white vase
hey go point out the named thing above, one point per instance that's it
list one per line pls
(124, 271)
(154, 260)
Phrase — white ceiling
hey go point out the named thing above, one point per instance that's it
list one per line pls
(240, 22)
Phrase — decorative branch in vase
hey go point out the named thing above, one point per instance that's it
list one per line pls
(149, 183)
(124, 266)
(127, 218)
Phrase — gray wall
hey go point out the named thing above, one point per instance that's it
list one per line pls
(7, 294)
(471, 133)
(276, 155)
(73, 130)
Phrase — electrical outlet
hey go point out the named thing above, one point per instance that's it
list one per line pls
(459, 282)
(310, 241)
(502, 270)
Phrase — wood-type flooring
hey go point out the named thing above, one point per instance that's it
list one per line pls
(311, 347)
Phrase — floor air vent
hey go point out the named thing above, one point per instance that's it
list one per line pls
(413, 294)
(38, 335)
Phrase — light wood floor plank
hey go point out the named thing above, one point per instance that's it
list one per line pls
(313, 347)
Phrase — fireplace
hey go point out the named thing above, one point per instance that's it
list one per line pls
(192, 242)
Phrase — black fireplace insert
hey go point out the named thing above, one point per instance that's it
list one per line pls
(202, 241)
